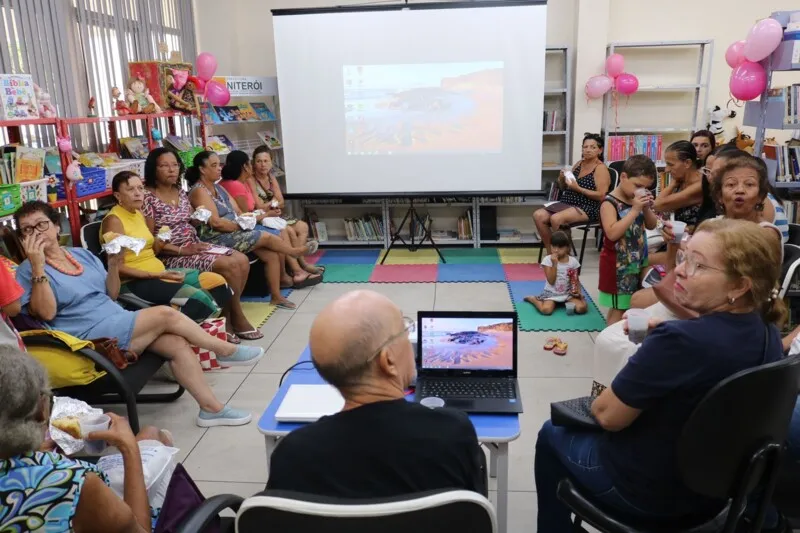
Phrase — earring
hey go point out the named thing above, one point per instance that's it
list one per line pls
(731, 300)
(760, 206)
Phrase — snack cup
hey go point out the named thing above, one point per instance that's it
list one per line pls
(637, 324)
(641, 191)
(678, 229)
(570, 308)
(94, 423)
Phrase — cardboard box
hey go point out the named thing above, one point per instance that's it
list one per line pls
(17, 98)
(155, 76)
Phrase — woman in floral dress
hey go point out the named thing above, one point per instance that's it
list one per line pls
(166, 204)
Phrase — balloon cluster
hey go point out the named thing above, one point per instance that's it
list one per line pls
(215, 93)
(615, 78)
(749, 78)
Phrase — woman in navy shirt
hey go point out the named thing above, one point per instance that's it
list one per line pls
(728, 275)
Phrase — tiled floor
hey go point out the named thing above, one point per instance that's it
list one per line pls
(233, 459)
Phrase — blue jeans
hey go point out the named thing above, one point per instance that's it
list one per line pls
(562, 453)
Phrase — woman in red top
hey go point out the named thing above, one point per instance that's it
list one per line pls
(10, 294)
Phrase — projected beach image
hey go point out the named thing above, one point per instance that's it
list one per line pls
(423, 108)
(467, 343)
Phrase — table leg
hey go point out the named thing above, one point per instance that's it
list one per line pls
(502, 486)
(270, 443)
(492, 460)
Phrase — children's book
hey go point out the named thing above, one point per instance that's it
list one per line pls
(262, 110)
(210, 115)
(17, 97)
(90, 159)
(52, 161)
(246, 112)
(270, 139)
(179, 143)
(228, 113)
(220, 144)
(136, 147)
(29, 165)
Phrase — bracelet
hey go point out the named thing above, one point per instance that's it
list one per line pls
(40, 279)
(180, 250)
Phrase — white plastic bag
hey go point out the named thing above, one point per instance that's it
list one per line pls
(158, 464)
(274, 223)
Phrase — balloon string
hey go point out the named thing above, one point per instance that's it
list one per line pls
(615, 100)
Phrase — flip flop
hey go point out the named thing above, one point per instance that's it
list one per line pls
(310, 281)
(320, 269)
(560, 348)
(252, 335)
(286, 305)
(550, 343)
(232, 338)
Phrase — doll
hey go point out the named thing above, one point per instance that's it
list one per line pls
(46, 107)
(139, 99)
(119, 104)
(185, 99)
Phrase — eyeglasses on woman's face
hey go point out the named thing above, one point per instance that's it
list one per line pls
(692, 265)
(39, 227)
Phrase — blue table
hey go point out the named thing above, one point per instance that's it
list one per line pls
(494, 431)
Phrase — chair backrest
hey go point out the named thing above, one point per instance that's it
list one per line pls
(794, 234)
(90, 237)
(742, 414)
(791, 261)
(616, 166)
(430, 512)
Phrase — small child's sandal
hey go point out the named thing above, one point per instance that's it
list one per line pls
(560, 348)
(551, 343)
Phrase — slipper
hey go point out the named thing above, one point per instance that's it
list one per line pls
(252, 335)
(561, 348)
(232, 338)
(286, 305)
(551, 343)
(310, 281)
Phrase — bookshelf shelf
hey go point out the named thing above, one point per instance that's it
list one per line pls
(555, 92)
(561, 132)
(238, 122)
(345, 242)
(675, 87)
(28, 122)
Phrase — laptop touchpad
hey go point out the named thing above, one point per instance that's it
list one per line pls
(458, 404)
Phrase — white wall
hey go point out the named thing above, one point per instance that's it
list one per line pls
(239, 32)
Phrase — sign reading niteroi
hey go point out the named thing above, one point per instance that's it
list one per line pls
(250, 85)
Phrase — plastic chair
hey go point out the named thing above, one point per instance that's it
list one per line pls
(794, 234)
(279, 511)
(791, 261)
(732, 443)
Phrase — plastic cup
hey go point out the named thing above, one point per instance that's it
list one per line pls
(678, 229)
(641, 191)
(94, 423)
(432, 402)
(570, 308)
(637, 325)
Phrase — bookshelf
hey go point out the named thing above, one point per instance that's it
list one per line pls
(513, 212)
(778, 110)
(674, 97)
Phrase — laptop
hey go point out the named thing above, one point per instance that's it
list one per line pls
(469, 360)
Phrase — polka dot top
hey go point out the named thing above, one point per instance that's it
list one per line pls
(576, 199)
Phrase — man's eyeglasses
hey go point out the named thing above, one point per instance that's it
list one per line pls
(692, 266)
(409, 324)
(40, 226)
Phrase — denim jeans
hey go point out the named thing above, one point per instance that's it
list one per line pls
(562, 453)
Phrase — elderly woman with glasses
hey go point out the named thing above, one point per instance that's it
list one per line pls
(728, 279)
(41, 490)
(69, 290)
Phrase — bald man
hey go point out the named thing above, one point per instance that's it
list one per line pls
(379, 445)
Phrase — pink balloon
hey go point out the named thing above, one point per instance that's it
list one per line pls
(627, 83)
(597, 86)
(217, 93)
(734, 55)
(748, 81)
(206, 66)
(763, 39)
(615, 64)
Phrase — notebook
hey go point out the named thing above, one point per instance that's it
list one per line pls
(309, 403)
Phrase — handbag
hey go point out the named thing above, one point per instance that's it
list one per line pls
(208, 359)
(109, 348)
(183, 497)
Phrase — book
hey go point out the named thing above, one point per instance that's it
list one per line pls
(246, 112)
(270, 139)
(52, 162)
(29, 165)
(90, 159)
(321, 231)
(228, 113)
(135, 147)
(209, 114)
(220, 144)
(179, 143)
(262, 110)
(17, 97)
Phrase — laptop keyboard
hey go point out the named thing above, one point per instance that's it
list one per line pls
(467, 388)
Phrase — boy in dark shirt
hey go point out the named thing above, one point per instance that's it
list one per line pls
(379, 445)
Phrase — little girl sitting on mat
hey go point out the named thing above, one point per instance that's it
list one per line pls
(561, 271)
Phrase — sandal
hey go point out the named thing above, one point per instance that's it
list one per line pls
(551, 343)
(252, 335)
(232, 338)
(310, 281)
(560, 348)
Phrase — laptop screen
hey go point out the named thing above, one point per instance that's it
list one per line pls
(461, 343)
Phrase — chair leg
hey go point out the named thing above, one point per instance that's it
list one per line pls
(166, 397)
(583, 244)
(541, 251)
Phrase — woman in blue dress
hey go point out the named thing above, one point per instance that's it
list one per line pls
(69, 290)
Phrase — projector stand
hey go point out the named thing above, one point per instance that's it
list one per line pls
(412, 217)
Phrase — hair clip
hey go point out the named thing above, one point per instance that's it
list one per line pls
(773, 295)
